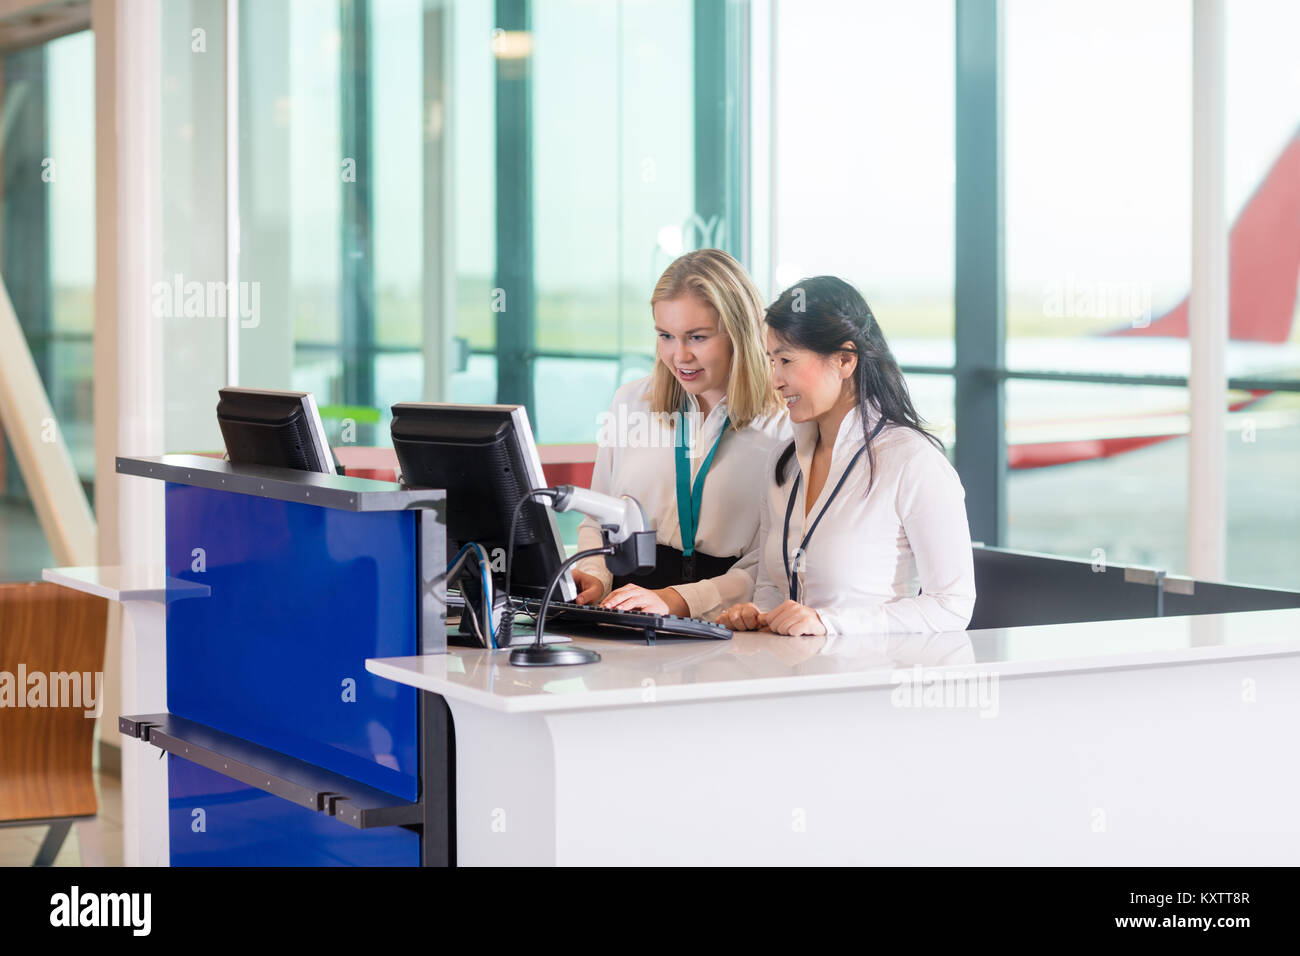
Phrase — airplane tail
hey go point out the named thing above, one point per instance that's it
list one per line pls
(1263, 262)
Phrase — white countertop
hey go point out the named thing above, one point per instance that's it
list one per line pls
(144, 582)
(756, 664)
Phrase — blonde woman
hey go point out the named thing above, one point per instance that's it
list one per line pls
(689, 442)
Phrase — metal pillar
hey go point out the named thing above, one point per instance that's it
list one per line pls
(981, 450)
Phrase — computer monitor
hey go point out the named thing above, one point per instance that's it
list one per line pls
(485, 459)
(281, 429)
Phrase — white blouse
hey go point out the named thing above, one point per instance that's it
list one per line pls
(863, 564)
(636, 457)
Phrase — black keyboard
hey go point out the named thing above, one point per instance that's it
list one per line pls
(613, 622)
(649, 625)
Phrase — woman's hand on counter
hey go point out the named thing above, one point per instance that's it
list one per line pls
(742, 617)
(791, 617)
(589, 587)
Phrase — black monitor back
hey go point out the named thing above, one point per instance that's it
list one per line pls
(476, 454)
(268, 428)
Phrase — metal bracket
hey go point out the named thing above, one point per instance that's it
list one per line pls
(1135, 575)
(135, 727)
(289, 778)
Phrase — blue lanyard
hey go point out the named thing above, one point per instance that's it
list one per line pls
(792, 580)
(689, 498)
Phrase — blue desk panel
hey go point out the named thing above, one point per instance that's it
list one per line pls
(237, 825)
(300, 597)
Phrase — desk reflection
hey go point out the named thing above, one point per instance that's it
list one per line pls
(755, 655)
(859, 651)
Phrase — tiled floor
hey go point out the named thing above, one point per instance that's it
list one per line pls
(18, 845)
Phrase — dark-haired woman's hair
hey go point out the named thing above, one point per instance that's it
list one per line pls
(827, 315)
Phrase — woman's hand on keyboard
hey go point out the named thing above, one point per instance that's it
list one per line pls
(743, 617)
(589, 587)
(633, 597)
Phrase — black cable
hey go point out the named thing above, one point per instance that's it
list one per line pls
(474, 623)
(506, 627)
(467, 608)
(551, 493)
(546, 599)
(522, 608)
(454, 572)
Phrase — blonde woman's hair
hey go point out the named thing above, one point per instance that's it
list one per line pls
(719, 281)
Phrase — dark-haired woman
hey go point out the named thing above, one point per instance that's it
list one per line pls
(863, 506)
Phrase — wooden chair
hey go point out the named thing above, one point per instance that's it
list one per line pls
(46, 775)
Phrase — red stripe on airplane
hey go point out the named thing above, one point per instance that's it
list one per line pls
(1048, 453)
(1263, 262)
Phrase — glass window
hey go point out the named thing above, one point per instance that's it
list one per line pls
(193, 187)
(1263, 448)
(47, 213)
(399, 132)
(1098, 175)
(932, 396)
(71, 70)
(471, 120)
(1098, 472)
(293, 176)
(612, 200)
(1262, 154)
(370, 138)
(863, 142)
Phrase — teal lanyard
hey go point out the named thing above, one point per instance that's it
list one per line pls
(688, 498)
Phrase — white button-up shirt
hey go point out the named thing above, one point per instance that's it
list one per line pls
(636, 456)
(863, 564)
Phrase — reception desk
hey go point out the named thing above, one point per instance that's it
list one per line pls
(1161, 741)
(244, 666)
(291, 660)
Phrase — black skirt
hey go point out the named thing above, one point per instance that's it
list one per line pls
(673, 567)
